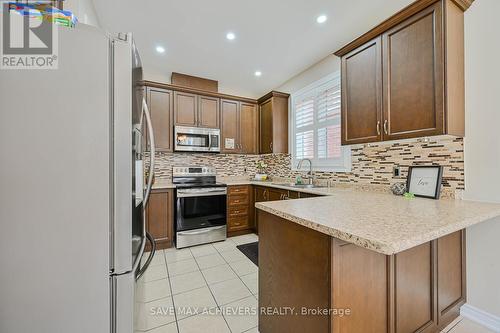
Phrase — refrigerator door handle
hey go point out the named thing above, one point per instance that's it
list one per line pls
(152, 151)
(150, 258)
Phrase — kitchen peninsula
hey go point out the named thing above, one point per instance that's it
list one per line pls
(386, 263)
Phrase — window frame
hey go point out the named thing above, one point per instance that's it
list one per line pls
(342, 164)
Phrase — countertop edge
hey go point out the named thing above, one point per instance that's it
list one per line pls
(377, 246)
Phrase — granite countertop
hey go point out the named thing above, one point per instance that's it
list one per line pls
(382, 222)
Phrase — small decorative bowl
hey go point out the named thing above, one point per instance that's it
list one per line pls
(398, 188)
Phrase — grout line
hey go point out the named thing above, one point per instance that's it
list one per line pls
(215, 300)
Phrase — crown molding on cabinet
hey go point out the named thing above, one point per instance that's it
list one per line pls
(394, 20)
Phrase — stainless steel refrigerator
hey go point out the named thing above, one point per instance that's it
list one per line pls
(72, 193)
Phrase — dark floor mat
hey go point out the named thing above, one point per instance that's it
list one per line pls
(251, 250)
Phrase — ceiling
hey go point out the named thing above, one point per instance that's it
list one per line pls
(278, 38)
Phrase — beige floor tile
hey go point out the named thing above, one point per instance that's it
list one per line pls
(186, 282)
(245, 239)
(218, 274)
(211, 260)
(204, 323)
(154, 273)
(154, 314)
(193, 302)
(158, 259)
(229, 291)
(253, 330)
(233, 255)
(150, 291)
(170, 328)
(173, 255)
(203, 250)
(241, 315)
(243, 267)
(467, 326)
(252, 282)
(182, 267)
(226, 245)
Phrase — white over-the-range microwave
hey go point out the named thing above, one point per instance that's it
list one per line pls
(197, 139)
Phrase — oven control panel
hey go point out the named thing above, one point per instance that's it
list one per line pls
(180, 171)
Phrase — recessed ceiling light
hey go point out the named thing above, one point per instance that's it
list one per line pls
(230, 36)
(321, 19)
(160, 49)
(258, 73)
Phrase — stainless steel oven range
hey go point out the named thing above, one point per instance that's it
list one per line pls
(200, 212)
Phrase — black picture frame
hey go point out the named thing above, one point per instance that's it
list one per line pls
(437, 191)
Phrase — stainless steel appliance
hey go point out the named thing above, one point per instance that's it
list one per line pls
(197, 139)
(72, 195)
(200, 214)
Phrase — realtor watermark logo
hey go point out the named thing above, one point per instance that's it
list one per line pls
(28, 39)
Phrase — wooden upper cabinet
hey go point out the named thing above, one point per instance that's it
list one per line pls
(230, 125)
(160, 104)
(421, 86)
(414, 76)
(249, 128)
(185, 109)
(362, 94)
(208, 112)
(266, 127)
(273, 123)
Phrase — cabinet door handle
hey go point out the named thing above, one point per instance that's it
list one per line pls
(378, 127)
(265, 194)
(385, 127)
(271, 147)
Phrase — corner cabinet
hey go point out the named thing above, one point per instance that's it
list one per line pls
(239, 127)
(405, 78)
(273, 120)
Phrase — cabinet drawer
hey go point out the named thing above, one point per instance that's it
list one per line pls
(238, 200)
(240, 189)
(238, 223)
(238, 211)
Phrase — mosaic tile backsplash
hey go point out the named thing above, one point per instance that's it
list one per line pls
(371, 164)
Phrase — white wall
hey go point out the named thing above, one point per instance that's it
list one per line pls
(482, 150)
(84, 10)
(317, 71)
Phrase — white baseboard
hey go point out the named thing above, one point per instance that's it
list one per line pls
(481, 317)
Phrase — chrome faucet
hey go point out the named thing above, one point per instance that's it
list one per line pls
(310, 173)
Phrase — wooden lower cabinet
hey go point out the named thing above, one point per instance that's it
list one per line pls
(240, 213)
(160, 218)
(419, 290)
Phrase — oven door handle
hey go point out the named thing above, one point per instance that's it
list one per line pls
(187, 194)
(201, 231)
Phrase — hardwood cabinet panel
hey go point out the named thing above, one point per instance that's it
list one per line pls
(275, 194)
(249, 128)
(414, 291)
(238, 223)
(230, 121)
(160, 104)
(238, 189)
(238, 199)
(362, 94)
(238, 211)
(451, 275)
(307, 195)
(208, 112)
(414, 76)
(352, 267)
(294, 271)
(185, 109)
(293, 195)
(160, 217)
(266, 127)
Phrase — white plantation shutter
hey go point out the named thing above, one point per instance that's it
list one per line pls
(316, 126)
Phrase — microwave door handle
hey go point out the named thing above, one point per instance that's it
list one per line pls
(152, 152)
(209, 142)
